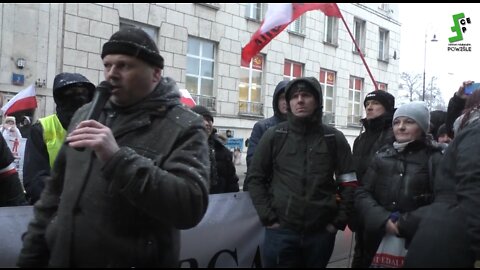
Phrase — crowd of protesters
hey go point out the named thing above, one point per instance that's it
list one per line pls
(115, 189)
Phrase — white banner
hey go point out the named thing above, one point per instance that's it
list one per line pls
(229, 235)
(17, 146)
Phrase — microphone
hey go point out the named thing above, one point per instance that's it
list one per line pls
(100, 97)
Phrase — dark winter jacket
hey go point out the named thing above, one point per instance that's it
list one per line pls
(394, 182)
(449, 233)
(11, 190)
(378, 132)
(36, 166)
(223, 176)
(126, 212)
(292, 183)
(261, 126)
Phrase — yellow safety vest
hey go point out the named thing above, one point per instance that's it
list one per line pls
(53, 135)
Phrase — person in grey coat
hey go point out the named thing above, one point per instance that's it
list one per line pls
(142, 176)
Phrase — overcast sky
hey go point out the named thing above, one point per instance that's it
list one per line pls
(451, 68)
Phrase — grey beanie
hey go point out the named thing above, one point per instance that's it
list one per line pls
(416, 110)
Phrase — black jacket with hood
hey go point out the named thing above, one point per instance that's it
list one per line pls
(261, 126)
(293, 183)
(36, 166)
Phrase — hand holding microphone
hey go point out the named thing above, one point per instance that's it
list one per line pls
(101, 96)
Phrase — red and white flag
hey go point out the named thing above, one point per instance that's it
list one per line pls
(277, 18)
(186, 98)
(24, 100)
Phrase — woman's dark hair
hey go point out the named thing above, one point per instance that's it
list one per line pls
(473, 103)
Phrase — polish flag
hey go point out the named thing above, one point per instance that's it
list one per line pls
(277, 18)
(186, 98)
(24, 100)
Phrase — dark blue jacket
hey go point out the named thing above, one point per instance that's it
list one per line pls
(261, 126)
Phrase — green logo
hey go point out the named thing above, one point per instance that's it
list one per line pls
(460, 27)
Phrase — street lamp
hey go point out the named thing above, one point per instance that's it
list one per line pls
(434, 39)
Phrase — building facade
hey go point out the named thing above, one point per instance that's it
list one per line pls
(201, 44)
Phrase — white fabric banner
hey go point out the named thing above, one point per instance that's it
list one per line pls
(18, 151)
(229, 235)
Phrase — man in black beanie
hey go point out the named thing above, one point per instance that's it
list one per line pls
(379, 107)
(142, 177)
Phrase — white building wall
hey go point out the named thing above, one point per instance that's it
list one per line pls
(69, 37)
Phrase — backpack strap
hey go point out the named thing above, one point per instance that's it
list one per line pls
(331, 141)
(280, 137)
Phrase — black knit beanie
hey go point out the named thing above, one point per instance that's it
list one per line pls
(135, 42)
(203, 111)
(385, 98)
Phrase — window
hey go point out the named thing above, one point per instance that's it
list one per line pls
(383, 45)
(200, 71)
(354, 105)
(152, 31)
(327, 81)
(382, 86)
(297, 26)
(292, 70)
(359, 30)
(250, 87)
(255, 11)
(331, 30)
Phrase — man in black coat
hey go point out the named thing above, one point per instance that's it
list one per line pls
(223, 176)
(379, 107)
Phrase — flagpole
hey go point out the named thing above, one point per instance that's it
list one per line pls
(359, 51)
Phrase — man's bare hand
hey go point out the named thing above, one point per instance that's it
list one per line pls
(391, 227)
(92, 134)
